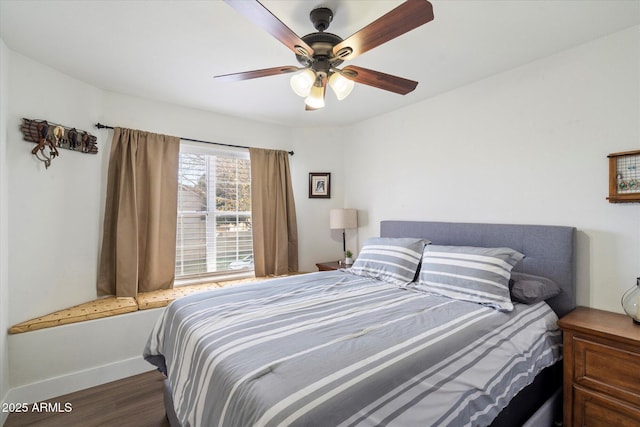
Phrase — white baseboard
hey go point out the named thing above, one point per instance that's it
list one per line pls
(75, 381)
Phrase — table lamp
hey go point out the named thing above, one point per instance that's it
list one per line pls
(343, 219)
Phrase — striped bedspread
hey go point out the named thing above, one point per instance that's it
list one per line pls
(336, 349)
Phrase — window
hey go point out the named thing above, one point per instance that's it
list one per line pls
(214, 212)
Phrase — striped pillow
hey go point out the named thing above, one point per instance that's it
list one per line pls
(393, 260)
(467, 273)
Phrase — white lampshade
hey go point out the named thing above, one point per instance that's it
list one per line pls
(316, 97)
(343, 218)
(302, 82)
(341, 85)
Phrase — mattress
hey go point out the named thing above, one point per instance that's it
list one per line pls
(336, 349)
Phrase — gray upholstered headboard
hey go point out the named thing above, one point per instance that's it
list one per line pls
(549, 250)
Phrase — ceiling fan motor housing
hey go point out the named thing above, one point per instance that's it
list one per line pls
(321, 17)
(322, 45)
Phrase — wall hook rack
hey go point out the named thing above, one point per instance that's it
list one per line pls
(53, 136)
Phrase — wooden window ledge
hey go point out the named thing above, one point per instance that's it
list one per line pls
(113, 306)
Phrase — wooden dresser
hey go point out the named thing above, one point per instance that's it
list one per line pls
(601, 369)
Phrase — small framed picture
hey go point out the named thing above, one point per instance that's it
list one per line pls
(319, 185)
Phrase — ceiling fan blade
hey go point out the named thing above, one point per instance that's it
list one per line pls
(262, 17)
(246, 75)
(379, 80)
(404, 18)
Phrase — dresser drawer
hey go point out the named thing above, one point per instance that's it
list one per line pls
(611, 370)
(596, 410)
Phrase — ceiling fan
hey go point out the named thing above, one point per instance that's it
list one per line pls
(320, 53)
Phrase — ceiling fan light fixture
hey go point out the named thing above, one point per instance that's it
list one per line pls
(315, 99)
(320, 53)
(341, 85)
(302, 82)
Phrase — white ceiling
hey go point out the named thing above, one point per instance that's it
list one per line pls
(170, 50)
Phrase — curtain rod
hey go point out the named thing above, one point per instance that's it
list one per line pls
(101, 126)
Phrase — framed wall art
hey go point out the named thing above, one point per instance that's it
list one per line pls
(624, 177)
(319, 185)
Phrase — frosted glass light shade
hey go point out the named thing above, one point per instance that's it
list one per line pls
(343, 218)
(341, 85)
(302, 82)
(316, 97)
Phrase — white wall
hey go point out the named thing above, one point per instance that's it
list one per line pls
(55, 224)
(136, 113)
(525, 146)
(53, 213)
(318, 150)
(56, 361)
(56, 214)
(4, 244)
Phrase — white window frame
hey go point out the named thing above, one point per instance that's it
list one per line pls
(213, 150)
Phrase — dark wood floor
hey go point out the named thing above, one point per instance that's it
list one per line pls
(131, 402)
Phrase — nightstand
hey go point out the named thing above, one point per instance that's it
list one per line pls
(601, 369)
(331, 265)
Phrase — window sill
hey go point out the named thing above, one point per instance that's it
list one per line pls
(112, 306)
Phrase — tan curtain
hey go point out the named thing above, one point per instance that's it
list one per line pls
(273, 213)
(139, 241)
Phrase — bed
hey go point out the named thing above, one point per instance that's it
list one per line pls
(356, 348)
